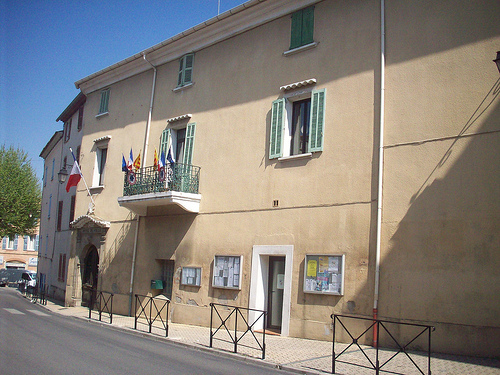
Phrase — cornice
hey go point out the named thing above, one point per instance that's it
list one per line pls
(245, 17)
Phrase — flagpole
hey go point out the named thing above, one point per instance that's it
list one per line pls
(83, 178)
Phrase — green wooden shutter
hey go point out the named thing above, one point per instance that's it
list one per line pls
(188, 147)
(103, 108)
(317, 120)
(188, 69)
(165, 135)
(296, 34)
(181, 70)
(307, 26)
(276, 131)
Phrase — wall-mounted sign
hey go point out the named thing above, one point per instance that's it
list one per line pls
(191, 276)
(324, 274)
(227, 272)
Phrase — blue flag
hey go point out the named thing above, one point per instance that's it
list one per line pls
(124, 164)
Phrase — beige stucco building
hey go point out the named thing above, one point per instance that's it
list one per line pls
(328, 160)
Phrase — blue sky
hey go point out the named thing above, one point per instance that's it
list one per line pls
(47, 45)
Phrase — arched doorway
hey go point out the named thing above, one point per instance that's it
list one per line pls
(90, 276)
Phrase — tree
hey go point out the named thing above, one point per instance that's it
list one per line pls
(20, 195)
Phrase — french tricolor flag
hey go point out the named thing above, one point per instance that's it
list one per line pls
(74, 176)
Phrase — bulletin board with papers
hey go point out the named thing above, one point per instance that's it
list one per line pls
(191, 276)
(227, 272)
(324, 274)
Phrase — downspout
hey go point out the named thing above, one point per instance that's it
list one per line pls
(133, 267)
(380, 169)
(148, 124)
(144, 161)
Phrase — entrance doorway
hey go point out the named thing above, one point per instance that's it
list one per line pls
(276, 287)
(90, 277)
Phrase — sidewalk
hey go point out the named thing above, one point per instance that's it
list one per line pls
(299, 355)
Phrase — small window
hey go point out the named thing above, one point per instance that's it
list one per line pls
(80, 118)
(227, 272)
(78, 154)
(72, 209)
(67, 130)
(191, 276)
(103, 107)
(53, 169)
(185, 70)
(16, 242)
(302, 32)
(50, 205)
(324, 274)
(100, 166)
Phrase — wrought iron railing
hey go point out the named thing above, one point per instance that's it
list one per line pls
(390, 329)
(103, 303)
(173, 177)
(152, 310)
(238, 332)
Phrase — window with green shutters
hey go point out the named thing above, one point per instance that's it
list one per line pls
(293, 133)
(182, 147)
(302, 32)
(103, 107)
(185, 70)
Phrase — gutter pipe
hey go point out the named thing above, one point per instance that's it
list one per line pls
(380, 169)
(144, 160)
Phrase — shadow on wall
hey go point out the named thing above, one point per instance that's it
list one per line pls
(441, 264)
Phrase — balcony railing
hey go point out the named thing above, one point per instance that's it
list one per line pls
(173, 177)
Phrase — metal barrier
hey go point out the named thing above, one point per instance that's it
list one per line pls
(377, 325)
(103, 303)
(146, 311)
(248, 327)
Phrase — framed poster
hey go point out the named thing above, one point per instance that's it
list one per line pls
(227, 272)
(191, 276)
(324, 274)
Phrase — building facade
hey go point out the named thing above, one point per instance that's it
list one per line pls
(326, 157)
(20, 252)
(58, 205)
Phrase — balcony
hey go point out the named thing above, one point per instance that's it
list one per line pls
(174, 187)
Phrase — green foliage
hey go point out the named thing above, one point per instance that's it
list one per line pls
(20, 194)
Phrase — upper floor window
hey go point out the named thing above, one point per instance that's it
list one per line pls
(185, 70)
(297, 124)
(104, 106)
(302, 27)
(72, 209)
(67, 130)
(180, 141)
(16, 242)
(8, 243)
(80, 118)
(99, 167)
(53, 169)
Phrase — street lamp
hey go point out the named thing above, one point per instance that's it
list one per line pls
(497, 61)
(62, 175)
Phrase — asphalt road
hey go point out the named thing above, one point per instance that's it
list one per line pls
(34, 340)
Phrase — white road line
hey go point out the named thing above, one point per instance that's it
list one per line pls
(39, 313)
(14, 311)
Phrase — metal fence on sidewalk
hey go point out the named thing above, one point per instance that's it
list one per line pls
(416, 336)
(152, 310)
(229, 317)
(103, 304)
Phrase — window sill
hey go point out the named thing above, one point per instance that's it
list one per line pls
(180, 88)
(101, 114)
(96, 189)
(300, 49)
(307, 155)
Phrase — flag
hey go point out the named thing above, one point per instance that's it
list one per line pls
(130, 161)
(161, 163)
(124, 164)
(169, 152)
(137, 162)
(155, 161)
(74, 177)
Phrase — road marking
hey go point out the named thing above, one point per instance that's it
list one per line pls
(39, 313)
(14, 311)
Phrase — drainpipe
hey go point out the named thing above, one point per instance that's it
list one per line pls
(133, 267)
(148, 124)
(380, 168)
